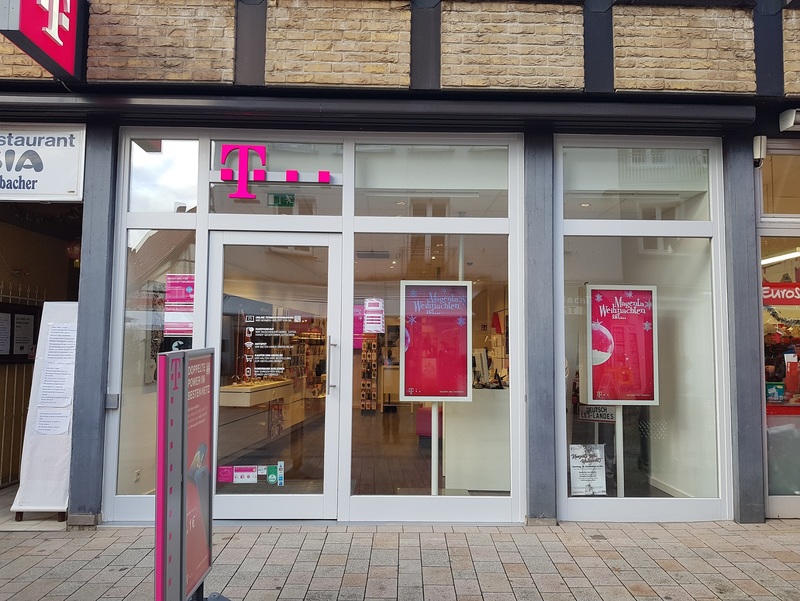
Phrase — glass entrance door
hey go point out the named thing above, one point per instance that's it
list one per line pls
(274, 320)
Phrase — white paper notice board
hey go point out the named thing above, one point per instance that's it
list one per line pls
(47, 446)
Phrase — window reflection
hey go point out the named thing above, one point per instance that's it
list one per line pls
(154, 257)
(431, 180)
(163, 176)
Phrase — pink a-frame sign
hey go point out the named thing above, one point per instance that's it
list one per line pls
(622, 345)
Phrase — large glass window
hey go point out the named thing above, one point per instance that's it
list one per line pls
(639, 319)
(392, 439)
(655, 184)
(780, 269)
(283, 178)
(427, 180)
(666, 448)
(780, 175)
(160, 268)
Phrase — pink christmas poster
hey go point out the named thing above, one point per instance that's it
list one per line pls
(622, 345)
(436, 357)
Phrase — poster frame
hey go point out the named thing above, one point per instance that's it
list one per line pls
(589, 397)
(404, 396)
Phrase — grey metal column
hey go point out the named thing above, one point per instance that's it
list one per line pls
(94, 305)
(540, 334)
(745, 330)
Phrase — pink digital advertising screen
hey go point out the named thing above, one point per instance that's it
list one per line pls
(436, 341)
(622, 345)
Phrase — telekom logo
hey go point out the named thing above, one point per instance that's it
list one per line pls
(241, 174)
(175, 375)
(56, 18)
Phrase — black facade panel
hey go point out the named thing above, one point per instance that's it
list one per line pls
(251, 42)
(768, 40)
(540, 333)
(598, 46)
(426, 46)
(745, 330)
(94, 309)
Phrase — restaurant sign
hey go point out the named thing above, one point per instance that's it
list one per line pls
(51, 32)
(41, 163)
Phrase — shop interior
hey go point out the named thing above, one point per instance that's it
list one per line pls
(39, 261)
(781, 318)
(274, 414)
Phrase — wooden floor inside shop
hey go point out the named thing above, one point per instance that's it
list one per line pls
(388, 456)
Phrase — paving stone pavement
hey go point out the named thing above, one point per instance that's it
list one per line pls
(324, 561)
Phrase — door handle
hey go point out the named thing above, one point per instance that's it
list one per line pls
(328, 385)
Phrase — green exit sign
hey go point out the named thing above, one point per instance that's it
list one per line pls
(281, 200)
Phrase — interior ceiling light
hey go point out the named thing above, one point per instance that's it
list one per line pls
(779, 258)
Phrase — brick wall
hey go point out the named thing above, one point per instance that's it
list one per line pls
(791, 52)
(684, 49)
(338, 42)
(512, 45)
(15, 64)
(161, 40)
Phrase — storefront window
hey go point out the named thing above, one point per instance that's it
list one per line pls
(781, 317)
(781, 184)
(392, 438)
(283, 178)
(158, 318)
(641, 383)
(653, 184)
(424, 180)
(163, 176)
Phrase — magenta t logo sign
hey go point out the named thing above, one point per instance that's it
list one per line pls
(242, 174)
(175, 374)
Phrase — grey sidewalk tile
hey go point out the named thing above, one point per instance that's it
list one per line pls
(410, 593)
(438, 592)
(388, 572)
(494, 583)
(489, 567)
(550, 583)
(409, 580)
(299, 578)
(351, 593)
(89, 591)
(356, 566)
(435, 557)
(320, 583)
(527, 593)
(294, 591)
(436, 575)
(384, 557)
(256, 595)
(385, 588)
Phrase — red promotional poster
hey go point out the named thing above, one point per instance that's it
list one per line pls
(436, 356)
(622, 345)
(198, 490)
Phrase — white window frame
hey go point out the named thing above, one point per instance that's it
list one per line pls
(511, 509)
(647, 509)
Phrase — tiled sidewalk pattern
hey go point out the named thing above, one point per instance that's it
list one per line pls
(571, 561)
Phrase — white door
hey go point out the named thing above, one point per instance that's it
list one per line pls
(274, 320)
